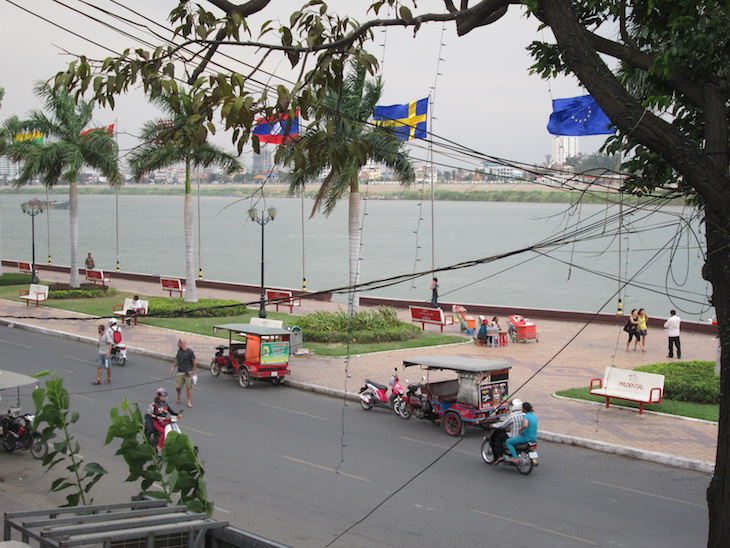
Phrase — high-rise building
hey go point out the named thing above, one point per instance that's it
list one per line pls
(8, 169)
(262, 163)
(563, 148)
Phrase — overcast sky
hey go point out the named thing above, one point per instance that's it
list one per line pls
(484, 97)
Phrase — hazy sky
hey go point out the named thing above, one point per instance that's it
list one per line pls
(484, 97)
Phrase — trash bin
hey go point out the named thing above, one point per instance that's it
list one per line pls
(295, 339)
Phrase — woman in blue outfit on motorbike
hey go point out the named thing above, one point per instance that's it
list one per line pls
(528, 432)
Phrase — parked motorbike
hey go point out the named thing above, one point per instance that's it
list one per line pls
(412, 402)
(221, 362)
(16, 432)
(118, 354)
(374, 394)
(526, 453)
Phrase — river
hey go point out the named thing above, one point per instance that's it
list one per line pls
(662, 251)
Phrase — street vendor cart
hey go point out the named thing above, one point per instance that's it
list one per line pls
(253, 352)
(477, 396)
(522, 330)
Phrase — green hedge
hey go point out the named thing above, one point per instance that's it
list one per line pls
(62, 290)
(204, 308)
(15, 278)
(375, 325)
(688, 381)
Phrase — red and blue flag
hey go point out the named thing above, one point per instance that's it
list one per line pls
(277, 129)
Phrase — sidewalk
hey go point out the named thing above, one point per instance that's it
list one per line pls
(572, 359)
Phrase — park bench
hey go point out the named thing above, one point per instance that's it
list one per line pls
(127, 311)
(436, 316)
(25, 268)
(35, 293)
(97, 277)
(622, 384)
(172, 285)
(280, 297)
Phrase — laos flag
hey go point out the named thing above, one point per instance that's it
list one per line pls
(277, 129)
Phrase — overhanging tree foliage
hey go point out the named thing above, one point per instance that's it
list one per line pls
(668, 100)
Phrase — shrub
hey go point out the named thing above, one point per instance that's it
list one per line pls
(84, 291)
(204, 308)
(694, 381)
(15, 278)
(375, 325)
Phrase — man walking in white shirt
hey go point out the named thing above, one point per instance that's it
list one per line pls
(672, 326)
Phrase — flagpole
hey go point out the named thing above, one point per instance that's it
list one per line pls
(116, 192)
(304, 277)
(200, 248)
(48, 226)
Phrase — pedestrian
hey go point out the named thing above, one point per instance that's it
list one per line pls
(632, 328)
(187, 366)
(103, 355)
(642, 328)
(435, 293)
(90, 264)
(672, 327)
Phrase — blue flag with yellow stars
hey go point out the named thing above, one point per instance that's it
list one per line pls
(408, 121)
(578, 116)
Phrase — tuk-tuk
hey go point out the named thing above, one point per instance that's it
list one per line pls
(253, 352)
(477, 396)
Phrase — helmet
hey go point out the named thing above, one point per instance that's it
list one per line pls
(160, 392)
(112, 321)
(516, 405)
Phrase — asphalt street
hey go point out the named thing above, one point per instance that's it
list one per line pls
(303, 468)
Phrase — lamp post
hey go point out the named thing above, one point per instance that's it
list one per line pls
(253, 213)
(33, 208)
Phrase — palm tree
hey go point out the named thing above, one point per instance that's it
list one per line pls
(179, 139)
(340, 145)
(64, 153)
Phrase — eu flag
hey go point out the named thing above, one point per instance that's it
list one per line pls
(578, 116)
(408, 121)
(277, 129)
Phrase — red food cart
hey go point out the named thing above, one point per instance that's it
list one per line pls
(524, 330)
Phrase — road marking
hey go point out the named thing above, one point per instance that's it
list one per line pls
(15, 343)
(649, 494)
(84, 397)
(530, 525)
(292, 411)
(326, 469)
(198, 431)
(426, 443)
(221, 509)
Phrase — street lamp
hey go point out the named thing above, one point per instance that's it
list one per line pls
(253, 214)
(33, 208)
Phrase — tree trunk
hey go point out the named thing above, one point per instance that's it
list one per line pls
(191, 290)
(73, 219)
(354, 237)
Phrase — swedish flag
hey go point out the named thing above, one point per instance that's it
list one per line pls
(408, 121)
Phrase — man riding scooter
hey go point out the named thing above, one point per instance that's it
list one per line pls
(157, 416)
(511, 424)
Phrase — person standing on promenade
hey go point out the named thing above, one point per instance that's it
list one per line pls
(642, 327)
(90, 264)
(103, 355)
(187, 366)
(672, 327)
(632, 328)
(435, 293)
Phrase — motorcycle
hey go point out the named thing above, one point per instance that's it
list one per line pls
(374, 394)
(411, 402)
(118, 354)
(16, 432)
(153, 436)
(526, 453)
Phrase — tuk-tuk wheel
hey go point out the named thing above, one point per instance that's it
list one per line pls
(244, 377)
(276, 381)
(453, 424)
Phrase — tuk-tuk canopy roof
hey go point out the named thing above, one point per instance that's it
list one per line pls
(249, 329)
(455, 363)
(8, 379)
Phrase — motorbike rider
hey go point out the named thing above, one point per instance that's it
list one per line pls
(511, 424)
(527, 433)
(158, 415)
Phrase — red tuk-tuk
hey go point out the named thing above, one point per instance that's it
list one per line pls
(253, 352)
(477, 396)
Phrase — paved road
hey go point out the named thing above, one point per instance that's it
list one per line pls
(301, 468)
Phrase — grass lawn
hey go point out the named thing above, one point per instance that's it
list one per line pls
(708, 412)
(103, 307)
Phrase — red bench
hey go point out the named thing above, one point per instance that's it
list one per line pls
(172, 285)
(636, 386)
(97, 277)
(436, 316)
(279, 297)
(25, 268)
